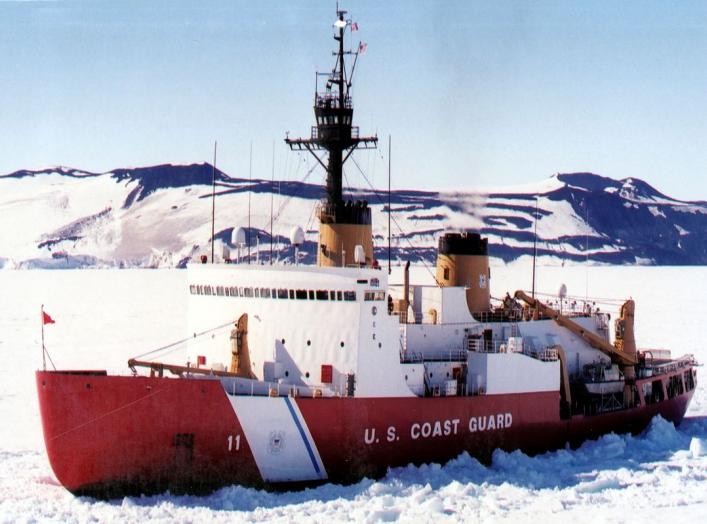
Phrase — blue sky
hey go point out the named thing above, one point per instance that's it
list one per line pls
(473, 93)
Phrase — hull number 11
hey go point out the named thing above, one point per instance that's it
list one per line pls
(234, 443)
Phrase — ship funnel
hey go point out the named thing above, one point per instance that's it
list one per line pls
(462, 260)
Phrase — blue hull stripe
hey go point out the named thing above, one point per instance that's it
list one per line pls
(304, 436)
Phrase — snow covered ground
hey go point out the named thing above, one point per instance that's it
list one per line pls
(105, 316)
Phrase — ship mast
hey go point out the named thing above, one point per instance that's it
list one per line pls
(344, 224)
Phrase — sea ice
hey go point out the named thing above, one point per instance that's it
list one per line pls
(105, 316)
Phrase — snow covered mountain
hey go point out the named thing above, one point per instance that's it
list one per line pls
(161, 216)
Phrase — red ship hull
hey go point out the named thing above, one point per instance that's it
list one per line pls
(115, 435)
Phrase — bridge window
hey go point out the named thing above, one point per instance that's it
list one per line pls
(322, 295)
(301, 294)
(350, 295)
(264, 292)
(281, 293)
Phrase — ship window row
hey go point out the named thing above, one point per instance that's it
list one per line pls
(374, 295)
(334, 119)
(282, 293)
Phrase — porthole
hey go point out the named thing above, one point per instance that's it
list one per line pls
(283, 341)
(309, 342)
(342, 343)
(287, 373)
(374, 310)
(406, 377)
(306, 374)
(380, 345)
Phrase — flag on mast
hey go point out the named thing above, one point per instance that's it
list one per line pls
(362, 47)
(46, 319)
(354, 26)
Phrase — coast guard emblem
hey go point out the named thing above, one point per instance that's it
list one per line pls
(276, 442)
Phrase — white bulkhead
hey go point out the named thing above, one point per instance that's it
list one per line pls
(313, 326)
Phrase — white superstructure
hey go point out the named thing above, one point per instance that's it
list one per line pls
(333, 330)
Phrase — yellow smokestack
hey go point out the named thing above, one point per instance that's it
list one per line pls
(462, 260)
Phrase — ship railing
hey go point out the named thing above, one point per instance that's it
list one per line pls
(355, 132)
(675, 365)
(548, 354)
(480, 345)
(331, 101)
(655, 354)
(407, 357)
(451, 355)
(314, 133)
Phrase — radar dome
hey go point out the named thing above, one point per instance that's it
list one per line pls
(359, 254)
(297, 236)
(238, 237)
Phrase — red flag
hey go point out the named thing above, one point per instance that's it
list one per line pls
(362, 48)
(46, 319)
(354, 26)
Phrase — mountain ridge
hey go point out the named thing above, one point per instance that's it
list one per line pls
(160, 216)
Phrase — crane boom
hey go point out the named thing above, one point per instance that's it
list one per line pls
(619, 357)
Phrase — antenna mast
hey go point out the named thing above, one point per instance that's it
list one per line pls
(535, 242)
(272, 196)
(390, 269)
(343, 223)
(213, 202)
(250, 191)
